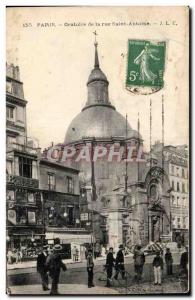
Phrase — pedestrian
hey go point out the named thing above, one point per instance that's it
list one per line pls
(41, 268)
(109, 266)
(54, 265)
(139, 260)
(9, 256)
(97, 250)
(86, 252)
(77, 254)
(158, 267)
(183, 273)
(90, 266)
(184, 261)
(103, 251)
(17, 255)
(169, 261)
(74, 253)
(119, 265)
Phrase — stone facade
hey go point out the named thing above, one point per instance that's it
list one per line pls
(176, 167)
(133, 198)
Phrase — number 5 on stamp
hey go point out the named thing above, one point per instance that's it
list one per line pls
(145, 66)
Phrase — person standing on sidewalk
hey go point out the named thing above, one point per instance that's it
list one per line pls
(139, 260)
(41, 268)
(54, 265)
(183, 272)
(119, 265)
(169, 261)
(158, 267)
(90, 266)
(109, 266)
(74, 253)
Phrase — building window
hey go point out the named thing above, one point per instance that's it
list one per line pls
(183, 173)
(184, 222)
(183, 187)
(9, 167)
(173, 201)
(70, 184)
(178, 189)
(31, 217)
(184, 202)
(9, 86)
(11, 140)
(178, 201)
(31, 198)
(51, 181)
(10, 113)
(25, 167)
(177, 171)
(172, 170)
(173, 186)
(173, 222)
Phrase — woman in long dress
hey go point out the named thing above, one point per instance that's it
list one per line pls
(143, 60)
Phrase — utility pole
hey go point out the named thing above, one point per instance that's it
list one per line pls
(126, 176)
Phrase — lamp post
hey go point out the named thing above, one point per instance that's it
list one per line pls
(65, 216)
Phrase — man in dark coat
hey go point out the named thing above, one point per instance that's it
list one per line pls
(54, 265)
(184, 261)
(119, 265)
(90, 266)
(109, 266)
(169, 261)
(139, 260)
(184, 271)
(41, 268)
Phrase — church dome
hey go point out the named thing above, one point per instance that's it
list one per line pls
(97, 74)
(98, 119)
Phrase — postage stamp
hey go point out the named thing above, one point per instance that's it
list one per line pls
(145, 66)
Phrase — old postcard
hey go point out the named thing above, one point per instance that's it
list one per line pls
(97, 150)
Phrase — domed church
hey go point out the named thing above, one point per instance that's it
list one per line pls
(128, 200)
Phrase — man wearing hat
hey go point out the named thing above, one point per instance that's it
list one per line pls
(119, 265)
(90, 266)
(41, 267)
(158, 267)
(109, 266)
(54, 265)
(169, 261)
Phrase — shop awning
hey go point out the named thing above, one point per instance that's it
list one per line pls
(69, 238)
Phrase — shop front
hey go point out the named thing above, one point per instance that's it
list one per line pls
(73, 244)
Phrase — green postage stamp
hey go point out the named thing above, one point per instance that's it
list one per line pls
(145, 66)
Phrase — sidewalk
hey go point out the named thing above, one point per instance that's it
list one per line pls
(64, 289)
(169, 286)
(33, 263)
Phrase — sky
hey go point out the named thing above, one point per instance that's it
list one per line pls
(55, 62)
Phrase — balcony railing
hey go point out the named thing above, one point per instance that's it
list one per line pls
(22, 148)
(22, 181)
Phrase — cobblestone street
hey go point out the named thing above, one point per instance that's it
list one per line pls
(169, 286)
